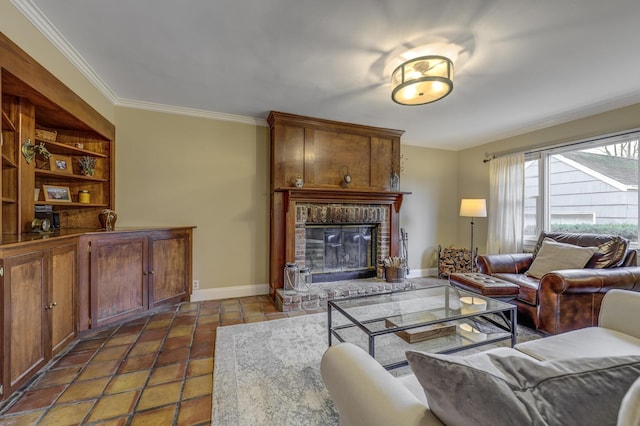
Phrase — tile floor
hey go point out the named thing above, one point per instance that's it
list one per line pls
(154, 370)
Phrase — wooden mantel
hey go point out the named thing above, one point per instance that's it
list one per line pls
(322, 151)
(331, 195)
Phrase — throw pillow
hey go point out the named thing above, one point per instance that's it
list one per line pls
(553, 256)
(493, 389)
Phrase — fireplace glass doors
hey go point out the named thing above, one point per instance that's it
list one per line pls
(341, 251)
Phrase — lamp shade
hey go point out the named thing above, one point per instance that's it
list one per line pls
(422, 80)
(473, 207)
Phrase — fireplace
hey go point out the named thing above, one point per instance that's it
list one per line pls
(339, 229)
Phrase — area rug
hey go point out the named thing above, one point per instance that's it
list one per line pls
(268, 373)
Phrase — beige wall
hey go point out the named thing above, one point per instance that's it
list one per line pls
(428, 213)
(474, 174)
(178, 170)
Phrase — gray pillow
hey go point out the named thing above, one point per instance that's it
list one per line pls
(553, 256)
(493, 389)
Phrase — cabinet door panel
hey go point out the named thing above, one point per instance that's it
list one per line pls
(63, 294)
(169, 262)
(118, 279)
(25, 280)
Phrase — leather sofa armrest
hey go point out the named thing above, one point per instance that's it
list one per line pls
(367, 394)
(570, 299)
(504, 263)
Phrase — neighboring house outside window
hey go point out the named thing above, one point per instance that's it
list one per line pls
(586, 187)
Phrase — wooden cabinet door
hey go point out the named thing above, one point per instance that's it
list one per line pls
(62, 294)
(118, 278)
(25, 335)
(170, 267)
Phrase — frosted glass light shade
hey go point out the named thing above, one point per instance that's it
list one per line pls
(473, 207)
(422, 80)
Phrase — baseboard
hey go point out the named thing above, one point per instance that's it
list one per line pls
(229, 292)
(417, 273)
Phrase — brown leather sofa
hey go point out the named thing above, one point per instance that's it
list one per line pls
(567, 299)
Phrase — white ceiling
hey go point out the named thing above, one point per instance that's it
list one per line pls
(528, 63)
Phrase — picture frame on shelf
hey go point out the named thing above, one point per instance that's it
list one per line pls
(56, 193)
(60, 163)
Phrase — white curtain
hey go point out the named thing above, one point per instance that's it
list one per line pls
(506, 204)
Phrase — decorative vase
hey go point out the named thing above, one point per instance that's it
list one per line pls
(87, 172)
(299, 183)
(108, 219)
(395, 182)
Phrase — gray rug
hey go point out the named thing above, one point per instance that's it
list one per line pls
(268, 373)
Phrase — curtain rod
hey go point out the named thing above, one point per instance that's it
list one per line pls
(493, 155)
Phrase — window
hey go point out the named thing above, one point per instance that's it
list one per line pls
(583, 187)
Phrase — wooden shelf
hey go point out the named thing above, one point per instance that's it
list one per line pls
(61, 148)
(68, 176)
(9, 200)
(6, 122)
(8, 162)
(68, 204)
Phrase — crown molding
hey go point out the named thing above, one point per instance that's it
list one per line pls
(191, 112)
(46, 27)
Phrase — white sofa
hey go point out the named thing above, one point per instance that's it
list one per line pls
(366, 394)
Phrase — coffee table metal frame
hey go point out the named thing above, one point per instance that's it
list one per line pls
(500, 314)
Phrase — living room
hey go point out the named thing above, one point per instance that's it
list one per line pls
(184, 167)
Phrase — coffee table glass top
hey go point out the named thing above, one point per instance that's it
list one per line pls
(439, 319)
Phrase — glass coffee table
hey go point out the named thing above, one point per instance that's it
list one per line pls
(439, 319)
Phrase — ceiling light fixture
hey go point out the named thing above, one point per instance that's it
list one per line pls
(422, 80)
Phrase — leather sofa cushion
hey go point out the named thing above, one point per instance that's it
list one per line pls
(553, 256)
(491, 388)
(528, 286)
(611, 248)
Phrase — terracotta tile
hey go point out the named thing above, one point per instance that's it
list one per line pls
(189, 305)
(268, 309)
(254, 318)
(124, 339)
(230, 308)
(202, 350)
(248, 299)
(120, 421)
(173, 356)
(264, 298)
(69, 414)
(39, 398)
(208, 319)
(133, 363)
(159, 416)
(206, 328)
(141, 348)
(210, 310)
(225, 316)
(252, 307)
(184, 320)
(229, 302)
(113, 406)
(176, 342)
(129, 329)
(127, 382)
(57, 377)
(157, 396)
(86, 345)
(152, 335)
(203, 337)
(195, 411)
(159, 324)
(274, 316)
(76, 358)
(168, 373)
(21, 419)
(182, 330)
(198, 367)
(99, 369)
(109, 353)
(198, 386)
(84, 390)
(232, 321)
(163, 315)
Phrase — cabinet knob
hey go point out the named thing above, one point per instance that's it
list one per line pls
(51, 305)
